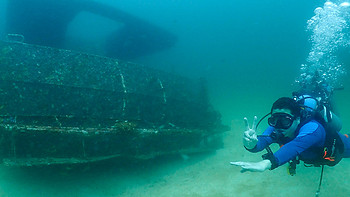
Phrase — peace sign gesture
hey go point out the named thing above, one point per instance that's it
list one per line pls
(250, 139)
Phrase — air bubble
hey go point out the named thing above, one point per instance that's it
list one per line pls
(328, 30)
(345, 4)
(318, 10)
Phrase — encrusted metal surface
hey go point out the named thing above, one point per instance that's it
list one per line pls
(60, 106)
(43, 81)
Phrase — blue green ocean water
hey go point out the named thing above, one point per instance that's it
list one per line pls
(250, 52)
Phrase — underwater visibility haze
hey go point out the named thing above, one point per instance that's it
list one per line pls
(249, 53)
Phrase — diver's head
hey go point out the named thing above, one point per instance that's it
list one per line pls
(285, 116)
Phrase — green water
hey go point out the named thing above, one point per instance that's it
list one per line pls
(250, 53)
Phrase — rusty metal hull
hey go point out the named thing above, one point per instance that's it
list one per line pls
(24, 145)
(60, 107)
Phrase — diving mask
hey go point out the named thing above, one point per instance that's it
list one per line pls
(281, 120)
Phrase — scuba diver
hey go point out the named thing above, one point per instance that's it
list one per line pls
(305, 128)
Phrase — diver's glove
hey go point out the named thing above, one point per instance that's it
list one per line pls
(250, 139)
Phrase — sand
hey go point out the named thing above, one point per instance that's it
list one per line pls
(205, 175)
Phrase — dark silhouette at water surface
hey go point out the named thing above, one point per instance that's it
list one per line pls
(45, 22)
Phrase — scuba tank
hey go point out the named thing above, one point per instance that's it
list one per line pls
(319, 109)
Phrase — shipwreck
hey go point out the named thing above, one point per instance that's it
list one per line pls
(63, 107)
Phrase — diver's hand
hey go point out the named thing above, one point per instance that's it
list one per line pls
(250, 139)
(253, 166)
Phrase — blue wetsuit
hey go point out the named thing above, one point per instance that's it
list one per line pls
(308, 143)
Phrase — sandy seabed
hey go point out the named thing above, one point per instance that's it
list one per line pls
(208, 175)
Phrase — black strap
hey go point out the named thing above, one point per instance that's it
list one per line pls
(269, 155)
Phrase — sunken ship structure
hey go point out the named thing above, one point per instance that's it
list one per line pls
(65, 107)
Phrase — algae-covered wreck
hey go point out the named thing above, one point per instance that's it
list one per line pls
(61, 107)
